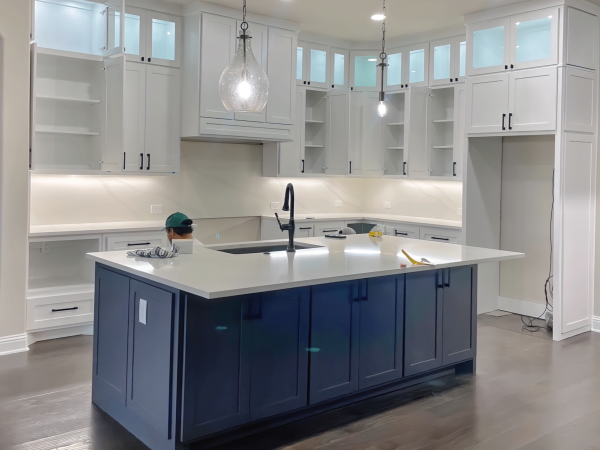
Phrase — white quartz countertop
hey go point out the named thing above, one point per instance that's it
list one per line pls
(214, 274)
(456, 224)
(91, 228)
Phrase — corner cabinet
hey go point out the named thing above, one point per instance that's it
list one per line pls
(210, 43)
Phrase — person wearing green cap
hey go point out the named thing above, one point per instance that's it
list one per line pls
(179, 226)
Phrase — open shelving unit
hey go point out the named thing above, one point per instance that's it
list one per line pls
(441, 132)
(394, 155)
(315, 138)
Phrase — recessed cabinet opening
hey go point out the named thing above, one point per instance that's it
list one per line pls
(315, 132)
(393, 135)
(67, 130)
(61, 265)
(441, 132)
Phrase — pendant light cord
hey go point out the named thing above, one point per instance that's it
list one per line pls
(382, 55)
(244, 27)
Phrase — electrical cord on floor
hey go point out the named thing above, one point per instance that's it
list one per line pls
(528, 324)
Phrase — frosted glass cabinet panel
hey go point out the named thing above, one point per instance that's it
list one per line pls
(447, 61)
(339, 68)
(462, 57)
(442, 62)
(364, 73)
(135, 34)
(534, 39)
(115, 28)
(300, 65)
(488, 46)
(312, 68)
(394, 75)
(163, 39)
(416, 65)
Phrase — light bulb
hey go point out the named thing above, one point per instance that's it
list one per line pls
(378, 17)
(244, 86)
(381, 109)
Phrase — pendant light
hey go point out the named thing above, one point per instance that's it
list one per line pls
(244, 86)
(382, 108)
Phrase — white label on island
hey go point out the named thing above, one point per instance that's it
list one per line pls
(143, 310)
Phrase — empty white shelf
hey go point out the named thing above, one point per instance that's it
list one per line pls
(68, 54)
(442, 146)
(314, 146)
(65, 131)
(395, 124)
(68, 281)
(395, 148)
(314, 121)
(443, 121)
(69, 99)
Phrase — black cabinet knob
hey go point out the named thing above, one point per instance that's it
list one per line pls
(451, 80)
(512, 67)
(142, 58)
(309, 83)
(456, 79)
(332, 86)
(305, 82)
(149, 59)
(505, 67)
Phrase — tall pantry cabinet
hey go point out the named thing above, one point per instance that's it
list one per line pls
(105, 92)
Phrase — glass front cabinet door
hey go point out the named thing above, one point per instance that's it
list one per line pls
(416, 65)
(488, 45)
(339, 68)
(447, 61)
(394, 76)
(163, 39)
(312, 68)
(115, 28)
(364, 73)
(534, 39)
(135, 34)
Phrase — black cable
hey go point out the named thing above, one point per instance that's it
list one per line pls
(528, 324)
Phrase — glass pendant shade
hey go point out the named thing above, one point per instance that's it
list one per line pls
(244, 86)
(381, 109)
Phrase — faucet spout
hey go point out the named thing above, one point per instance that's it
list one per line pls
(291, 226)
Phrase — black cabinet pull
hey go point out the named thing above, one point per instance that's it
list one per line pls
(305, 82)
(440, 279)
(350, 167)
(510, 121)
(332, 86)
(124, 154)
(148, 166)
(453, 169)
(139, 243)
(330, 231)
(309, 83)
(400, 234)
(306, 228)
(511, 66)
(503, 117)
(439, 238)
(302, 166)
(66, 309)
(149, 59)
(141, 161)
(456, 79)
(505, 67)
(450, 80)
(445, 273)
(363, 288)
(142, 58)
(352, 88)
(404, 168)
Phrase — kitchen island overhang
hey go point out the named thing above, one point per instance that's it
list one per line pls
(213, 346)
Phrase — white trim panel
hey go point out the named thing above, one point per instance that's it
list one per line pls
(523, 307)
(13, 344)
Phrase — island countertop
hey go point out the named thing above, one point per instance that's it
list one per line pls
(214, 274)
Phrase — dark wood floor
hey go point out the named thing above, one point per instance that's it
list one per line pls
(529, 393)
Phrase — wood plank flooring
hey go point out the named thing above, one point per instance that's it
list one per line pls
(530, 393)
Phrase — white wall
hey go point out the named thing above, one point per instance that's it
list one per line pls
(14, 151)
(527, 165)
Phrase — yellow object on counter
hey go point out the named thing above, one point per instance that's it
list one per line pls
(414, 261)
(376, 233)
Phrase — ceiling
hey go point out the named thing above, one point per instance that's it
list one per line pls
(350, 19)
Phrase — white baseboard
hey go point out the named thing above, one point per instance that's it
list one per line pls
(520, 307)
(44, 335)
(13, 344)
(596, 324)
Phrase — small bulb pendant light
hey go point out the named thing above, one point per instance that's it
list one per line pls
(382, 108)
(244, 85)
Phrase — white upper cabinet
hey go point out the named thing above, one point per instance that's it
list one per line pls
(488, 46)
(581, 48)
(416, 64)
(394, 75)
(338, 127)
(534, 39)
(218, 42)
(281, 66)
(291, 154)
(364, 73)
(338, 68)
(517, 42)
(163, 39)
(447, 61)
(115, 28)
(135, 34)
(393, 150)
(313, 65)
(416, 140)
(487, 103)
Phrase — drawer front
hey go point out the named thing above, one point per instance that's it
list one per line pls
(134, 241)
(324, 228)
(443, 235)
(303, 230)
(401, 230)
(45, 313)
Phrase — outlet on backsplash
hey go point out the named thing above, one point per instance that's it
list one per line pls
(387, 205)
(274, 205)
(338, 203)
(459, 211)
(156, 209)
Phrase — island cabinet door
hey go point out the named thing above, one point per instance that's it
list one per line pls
(215, 394)
(334, 340)
(151, 357)
(458, 323)
(111, 304)
(278, 324)
(423, 322)
(381, 330)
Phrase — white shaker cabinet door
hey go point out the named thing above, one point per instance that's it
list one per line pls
(218, 44)
(291, 154)
(532, 100)
(372, 158)
(460, 137)
(416, 131)
(337, 123)
(115, 101)
(487, 103)
(163, 87)
(281, 70)
(135, 116)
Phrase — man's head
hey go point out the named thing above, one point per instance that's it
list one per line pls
(178, 226)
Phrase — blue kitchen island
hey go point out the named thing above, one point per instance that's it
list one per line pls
(236, 339)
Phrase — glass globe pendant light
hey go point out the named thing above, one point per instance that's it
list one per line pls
(244, 85)
(382, 108)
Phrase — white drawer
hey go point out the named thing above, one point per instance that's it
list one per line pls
(323, 228)
(304, 230)
(131, 241)
(401, 230)
(60, 311)
(445, 235)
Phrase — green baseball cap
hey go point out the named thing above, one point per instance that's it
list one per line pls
(178, 220)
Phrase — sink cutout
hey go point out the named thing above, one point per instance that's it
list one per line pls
(263, 249)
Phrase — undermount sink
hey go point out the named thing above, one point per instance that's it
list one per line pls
(265, 248)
